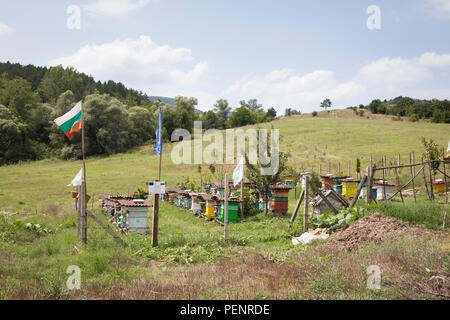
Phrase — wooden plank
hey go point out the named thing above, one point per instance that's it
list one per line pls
(319, 192)
(305, 208)
(297, 206)
(358, 191)
(96, 219)
(408, 165)
(412, 179)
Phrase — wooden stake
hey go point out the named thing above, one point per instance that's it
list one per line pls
(297, 206)
(425, 182)
(155, 220)
(430, 177)
(225, 222)
(413, 174)
(349, 167)
(402, 187)
(397, 173)
(104, 226)
(445, 177)
(358, 191)
(384, 182)
(242, 198)
(372, 171)
(305, 210)
(368, 186)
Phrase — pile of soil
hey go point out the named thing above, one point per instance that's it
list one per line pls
(376, 227)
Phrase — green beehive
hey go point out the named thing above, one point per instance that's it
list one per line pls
(233, 208)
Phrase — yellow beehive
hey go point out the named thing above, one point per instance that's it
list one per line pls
(210, 211)
(349, 188)
(439, 187)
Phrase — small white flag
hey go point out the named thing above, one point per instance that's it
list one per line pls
(77, 180)
(238, 173)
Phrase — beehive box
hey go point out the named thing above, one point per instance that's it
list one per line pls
(137, 211)
(349, 187)
(389, 189)
(233, 208)
(439, 186)
(338, 188)
(327, 181)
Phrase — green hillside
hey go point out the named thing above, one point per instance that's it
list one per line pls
(336, 138)
(192, 260)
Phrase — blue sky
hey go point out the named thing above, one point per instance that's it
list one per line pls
(284, 53)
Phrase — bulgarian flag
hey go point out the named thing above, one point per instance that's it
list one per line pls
(72, 121)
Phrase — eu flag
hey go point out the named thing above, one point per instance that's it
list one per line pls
(158, 146)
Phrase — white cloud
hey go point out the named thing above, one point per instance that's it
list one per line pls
(114, 7)
(140, 63)
(383, 78)
(5, 29)
(282, 89)
(395, 70)
(439, 8)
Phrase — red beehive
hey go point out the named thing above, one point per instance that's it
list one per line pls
(327, 182)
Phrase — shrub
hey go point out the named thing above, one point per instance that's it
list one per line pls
(414, 118)
(314, 114)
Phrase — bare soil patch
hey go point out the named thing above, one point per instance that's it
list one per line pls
(376, 227)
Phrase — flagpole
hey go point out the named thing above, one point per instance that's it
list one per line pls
(160, 154)
(83, 219)
(156, 196)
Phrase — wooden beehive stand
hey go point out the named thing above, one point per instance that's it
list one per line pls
(424, 169)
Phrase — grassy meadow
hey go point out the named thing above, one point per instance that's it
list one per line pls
(192, 261)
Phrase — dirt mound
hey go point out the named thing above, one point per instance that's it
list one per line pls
(376, 227)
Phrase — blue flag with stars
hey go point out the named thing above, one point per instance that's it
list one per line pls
(158, 146)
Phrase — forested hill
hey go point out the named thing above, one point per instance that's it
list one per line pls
(42, 80)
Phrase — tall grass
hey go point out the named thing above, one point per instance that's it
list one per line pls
(425, 213)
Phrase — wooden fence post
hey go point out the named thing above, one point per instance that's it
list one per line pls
(445, 176)
(430, 177)
(297, 206)
(305, 212)
(155, 220)
(225, 222)
(413, 171)
(349, 167)
(384, 178)
(358, 191)
(397, 173)
(425, 180)
(83, 217)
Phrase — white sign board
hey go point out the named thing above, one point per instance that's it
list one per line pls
(157, 187)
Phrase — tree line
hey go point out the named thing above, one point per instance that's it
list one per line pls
(116, 118)
(437, 111)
